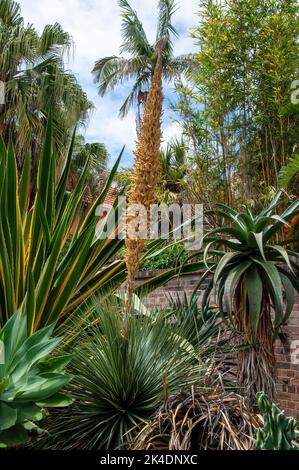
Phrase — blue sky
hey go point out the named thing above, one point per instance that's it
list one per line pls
(95, 28)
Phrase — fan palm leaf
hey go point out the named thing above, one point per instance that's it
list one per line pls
(31, 66)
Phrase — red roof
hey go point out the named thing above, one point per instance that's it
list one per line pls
(89, 197)
(111, 196)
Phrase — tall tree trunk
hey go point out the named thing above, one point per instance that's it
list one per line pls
(256, 367)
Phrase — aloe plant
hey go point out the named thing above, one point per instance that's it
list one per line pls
(30, 380)
(279, 432)
(253, 273)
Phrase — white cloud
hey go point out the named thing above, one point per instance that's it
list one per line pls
(95, 27)
(170, 131)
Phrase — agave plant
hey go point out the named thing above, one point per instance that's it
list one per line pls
(253, 273)
(30, 380)
(279, 432)
(123, 368)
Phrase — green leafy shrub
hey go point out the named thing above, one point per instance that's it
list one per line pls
(171, 257)
(30, 381)
(279, 431)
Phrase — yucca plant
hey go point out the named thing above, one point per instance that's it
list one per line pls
(252, 274)
(41, 271)
(30, 379)
(124, 367)
(200, 326)
(279, 432)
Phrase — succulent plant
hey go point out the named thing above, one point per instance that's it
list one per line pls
(279, 431)
(30, 380)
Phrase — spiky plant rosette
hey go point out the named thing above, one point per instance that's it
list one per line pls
(279, 432)
(254, 285)
(147, 171)
(123, 370)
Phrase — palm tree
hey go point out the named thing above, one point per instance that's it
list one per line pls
(174, 167)
(32, 69)
(112, 71)
(96, 154)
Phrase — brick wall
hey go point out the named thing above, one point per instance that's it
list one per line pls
(287, 359)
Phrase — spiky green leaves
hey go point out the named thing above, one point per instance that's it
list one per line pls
(251, 273)
(40, 271)
(288, 172)
(124, 368)
(279, 432)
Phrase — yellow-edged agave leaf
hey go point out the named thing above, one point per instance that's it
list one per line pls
(41, 272)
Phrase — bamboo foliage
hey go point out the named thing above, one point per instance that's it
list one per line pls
(147, 170)
(247, 60)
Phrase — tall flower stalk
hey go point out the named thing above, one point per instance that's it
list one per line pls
(147, 170)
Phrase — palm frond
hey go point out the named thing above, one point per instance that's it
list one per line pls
(10, 13)
(175, 67)
(133, 34)
(288, 172)
(165, 28)
(112, 71)
(143, 80)
(31, 65)
(54, 40)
